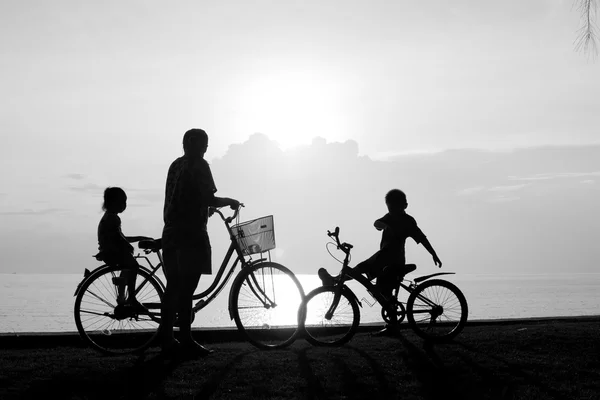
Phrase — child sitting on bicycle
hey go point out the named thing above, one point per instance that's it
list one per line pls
(114, 247)
(388, 264)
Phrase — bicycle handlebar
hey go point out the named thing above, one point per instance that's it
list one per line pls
(345, 247)
(213, 210)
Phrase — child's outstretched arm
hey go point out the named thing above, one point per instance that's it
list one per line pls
(431, 251)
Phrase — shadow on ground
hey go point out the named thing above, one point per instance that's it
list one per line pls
(537, 362)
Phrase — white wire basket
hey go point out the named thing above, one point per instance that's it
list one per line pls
(256, 236)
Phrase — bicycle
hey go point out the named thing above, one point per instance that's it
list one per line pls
(330, 315)
(263, 295)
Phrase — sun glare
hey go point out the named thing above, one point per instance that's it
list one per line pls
(291, 108)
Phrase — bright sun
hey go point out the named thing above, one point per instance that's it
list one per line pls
(291, 107)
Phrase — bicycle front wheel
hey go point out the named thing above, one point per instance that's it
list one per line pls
(437, 310)
(264, 302)
(337, 330)
(110, 325)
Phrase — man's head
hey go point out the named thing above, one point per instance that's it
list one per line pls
(395, 200)
(195, 142)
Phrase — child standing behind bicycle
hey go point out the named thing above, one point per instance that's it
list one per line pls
(388, 264)
(114, 246)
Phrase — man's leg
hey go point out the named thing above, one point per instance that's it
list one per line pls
(189, 273)
(191, 262)
(169, 302)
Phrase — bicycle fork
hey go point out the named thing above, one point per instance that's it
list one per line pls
(336, 300)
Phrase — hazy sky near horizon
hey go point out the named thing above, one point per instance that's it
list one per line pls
(100, 93)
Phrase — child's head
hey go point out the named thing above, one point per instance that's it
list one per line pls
(115, 200)
(395, 200)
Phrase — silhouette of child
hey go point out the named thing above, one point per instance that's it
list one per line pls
(388, 264)
(114, 247)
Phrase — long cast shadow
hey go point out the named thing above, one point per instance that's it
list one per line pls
(213, 382)
(129, 381)
(436, 375)
(514, 369)
(436, 379)
(315, 389)
(379, 374)
(350, 379)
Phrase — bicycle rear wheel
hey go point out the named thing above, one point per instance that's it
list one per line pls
(437, 310)
(264, 302)
(337, 330)
(115, 328)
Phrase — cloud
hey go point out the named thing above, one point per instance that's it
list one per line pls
(503, 199)
(88, 188)
(470, 191)
(26, 212)
(548, 176)
(75, 176)
(508, 188)
(145, 196)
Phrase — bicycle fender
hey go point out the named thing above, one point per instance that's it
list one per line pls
(87, 274)
(425, 277)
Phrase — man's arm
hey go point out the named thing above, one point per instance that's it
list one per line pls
(205, 186)
(223, 201)
(431, 251)
(131, 239)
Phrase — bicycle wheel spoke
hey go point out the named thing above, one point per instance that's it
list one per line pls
(437, 310)
(333, 331)
(114, 328)
(266, 304)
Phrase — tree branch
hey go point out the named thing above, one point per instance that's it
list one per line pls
(588, 33)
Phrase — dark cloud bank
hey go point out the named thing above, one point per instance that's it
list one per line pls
(529, 210)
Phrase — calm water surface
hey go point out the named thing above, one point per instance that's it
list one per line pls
(44, 302)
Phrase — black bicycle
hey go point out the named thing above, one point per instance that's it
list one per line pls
(436, 309)
(263, 301)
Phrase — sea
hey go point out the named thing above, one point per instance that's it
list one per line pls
(44, 302)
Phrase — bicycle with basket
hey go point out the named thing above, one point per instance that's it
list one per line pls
(263, 300)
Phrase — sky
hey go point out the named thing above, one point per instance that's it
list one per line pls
(481, 110)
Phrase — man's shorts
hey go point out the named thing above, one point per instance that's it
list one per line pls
(197, 257)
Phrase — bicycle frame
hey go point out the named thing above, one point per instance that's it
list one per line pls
(207, 296)
(371, 288)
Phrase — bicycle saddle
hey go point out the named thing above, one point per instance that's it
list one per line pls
(152, 244)
(409, 268)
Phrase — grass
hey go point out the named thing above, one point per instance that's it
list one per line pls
(540, 360)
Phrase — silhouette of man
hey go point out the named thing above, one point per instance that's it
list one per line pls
(189, 191)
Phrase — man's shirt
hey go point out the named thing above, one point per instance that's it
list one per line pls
(189, 189)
